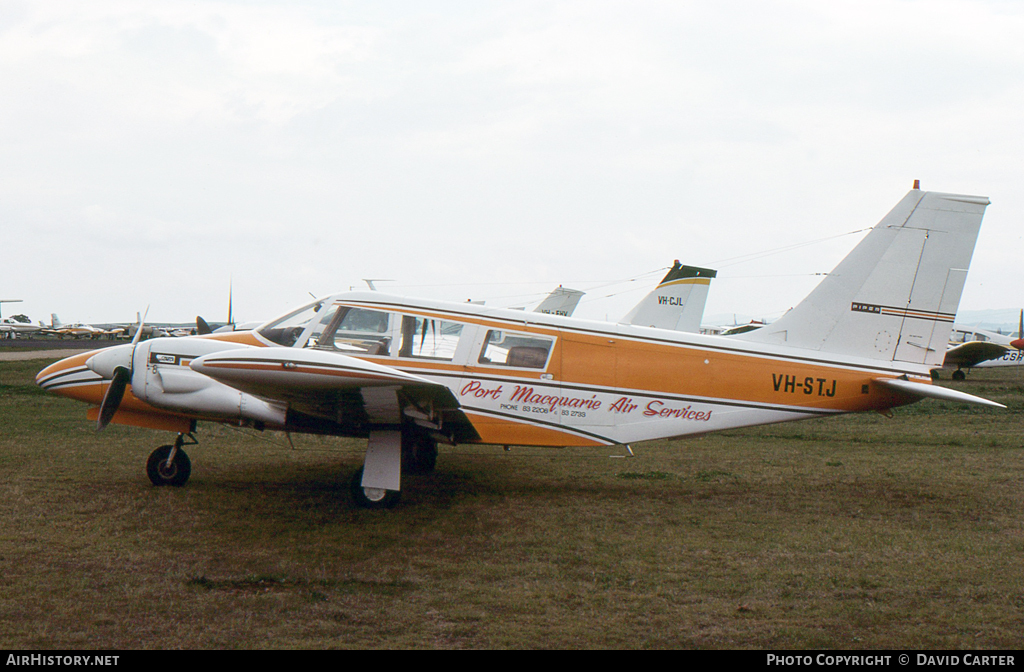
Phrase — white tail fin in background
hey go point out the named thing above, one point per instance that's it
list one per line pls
(677, 302)
(561, 301)
(894, 297)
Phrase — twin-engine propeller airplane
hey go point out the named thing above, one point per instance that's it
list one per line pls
(970, 347)
(408, 374)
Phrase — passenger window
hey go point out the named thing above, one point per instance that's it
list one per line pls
(502, 348)
(427, 338)
(357, 331)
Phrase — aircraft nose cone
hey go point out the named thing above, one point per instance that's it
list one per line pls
(105, 361)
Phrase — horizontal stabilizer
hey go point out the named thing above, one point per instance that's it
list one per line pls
(934, 392)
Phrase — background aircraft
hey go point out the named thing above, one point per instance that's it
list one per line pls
(11, 327)
(18, 325)
(78, 329)
(677, 302)
(561, 301)
(970, 347)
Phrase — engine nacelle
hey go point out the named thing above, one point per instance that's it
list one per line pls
(162, 378)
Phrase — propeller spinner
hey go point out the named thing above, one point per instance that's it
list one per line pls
(1019, 341)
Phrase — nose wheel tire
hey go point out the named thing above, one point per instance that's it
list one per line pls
(161, 473)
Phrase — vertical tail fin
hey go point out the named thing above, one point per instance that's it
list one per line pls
(894, 297)
(677, 302)
(561, 301)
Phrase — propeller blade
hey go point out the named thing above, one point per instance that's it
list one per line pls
(112, 397)
(1020, 327)
(138, 330)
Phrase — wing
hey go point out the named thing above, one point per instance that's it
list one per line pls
(973, 352)
(327, 392)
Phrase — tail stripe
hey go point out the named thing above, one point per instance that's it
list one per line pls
(934, 316)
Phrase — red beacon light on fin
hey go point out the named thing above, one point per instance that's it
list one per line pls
(917, 184)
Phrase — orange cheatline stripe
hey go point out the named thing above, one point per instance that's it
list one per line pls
(507, 432)
(686, 281)
(319, 371)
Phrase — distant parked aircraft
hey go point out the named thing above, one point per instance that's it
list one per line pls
(78, 329)
(561, 301)
(677, 303)
(970, 347)
(11, 327)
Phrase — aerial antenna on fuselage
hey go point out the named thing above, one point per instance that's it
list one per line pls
(370, 281)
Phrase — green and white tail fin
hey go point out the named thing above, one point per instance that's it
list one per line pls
(894, 297)
(677, 302)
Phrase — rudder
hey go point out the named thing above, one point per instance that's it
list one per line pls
(895, 296)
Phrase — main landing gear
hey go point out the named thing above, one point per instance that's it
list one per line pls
(169, 465)
(389, 454)
(376, 485)
(371, 498)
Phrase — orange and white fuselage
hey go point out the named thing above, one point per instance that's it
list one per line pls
(597, 384)
(354, 363)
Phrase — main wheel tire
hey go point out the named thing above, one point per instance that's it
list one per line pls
(372, 498)
(176, 474)
(959, 375)
(419, 453)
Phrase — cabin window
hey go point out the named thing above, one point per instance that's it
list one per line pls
(321, 322)
(358, 331)
(428, 338)
(502, 348)
(287, 330)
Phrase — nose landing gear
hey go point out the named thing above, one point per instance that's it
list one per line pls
(169, 465)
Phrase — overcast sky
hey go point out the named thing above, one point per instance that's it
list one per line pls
(152, 153)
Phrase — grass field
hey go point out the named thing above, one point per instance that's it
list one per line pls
(851, 532)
